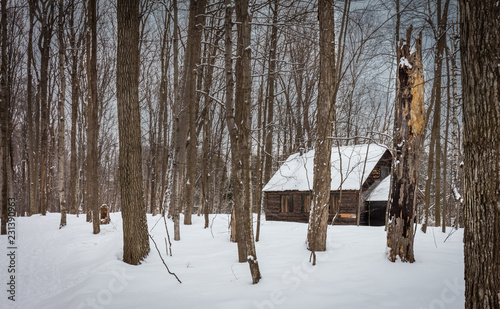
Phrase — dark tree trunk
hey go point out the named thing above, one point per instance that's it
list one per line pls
(193, 52)
(179, 137)
(61, 149)
(32, 166)
(318, 218)
(239, 126)
(46, 16)
(4, 118)
(410, 123)
(135, 227)
(480, 50)
(93, 120)
(74, 176)
(435, 147)
(271, 80)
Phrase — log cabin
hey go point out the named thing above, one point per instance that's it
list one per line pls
(357, 171)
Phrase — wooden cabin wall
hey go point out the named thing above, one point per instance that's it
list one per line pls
(347, 214)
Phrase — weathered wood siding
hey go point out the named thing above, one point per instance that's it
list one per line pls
(272, 206)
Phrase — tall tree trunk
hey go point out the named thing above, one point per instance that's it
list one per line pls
(135, 227)
(454, 132)
(207, 116)
(60, 116)
(480, 49)
(44, 47)
(394, 128)
(163, 123)
(239, 125)
(92, 119)
(32, 170)
(4, 118)
(179, 136)
(435, 147)
(259, 160)
(271, 80)
(74, 175)
(410, 124)
(318, 217)
(236, 231)
(445, 153)
(193, 52)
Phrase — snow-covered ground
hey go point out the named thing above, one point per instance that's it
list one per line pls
(72, 268)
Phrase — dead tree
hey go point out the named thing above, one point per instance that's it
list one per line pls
(410, 123)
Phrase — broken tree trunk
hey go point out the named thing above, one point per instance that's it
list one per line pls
(410, 123)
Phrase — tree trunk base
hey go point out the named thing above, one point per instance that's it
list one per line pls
(400, 241)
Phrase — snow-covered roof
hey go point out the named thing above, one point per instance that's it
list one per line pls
(380, 192)
(297, 172)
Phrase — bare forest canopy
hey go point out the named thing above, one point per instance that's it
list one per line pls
(48, 42)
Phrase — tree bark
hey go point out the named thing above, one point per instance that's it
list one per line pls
(75, 93)
(135, 227)
(480, 49)
(32, 166)
(45, 16)
(239, 125)
(61, 149)
(4, 118)
(410, 124)
(179, 136)
(318, 218)
(92, 119)
(271, 80)
(193, 52)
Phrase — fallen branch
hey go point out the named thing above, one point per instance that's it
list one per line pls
(158, 250)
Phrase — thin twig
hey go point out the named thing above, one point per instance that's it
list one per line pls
(453, 230)
(173, 274)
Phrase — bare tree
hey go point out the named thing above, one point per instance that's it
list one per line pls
(435, 146)
(480, 50)
(61, 148)
(328, 85)
(135, 233)
(4, 118)
(193, 52)
(32, 145)
(92, 118)
(239, 125)
(44, 12)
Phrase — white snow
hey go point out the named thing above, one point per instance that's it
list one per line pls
(72, 268)
(381, 191)
(404, 62)
(297, 172)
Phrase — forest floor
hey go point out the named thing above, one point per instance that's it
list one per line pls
(72, 268)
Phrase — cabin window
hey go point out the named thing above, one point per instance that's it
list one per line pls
(306, 202)
(334, 203)
(286, 202)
